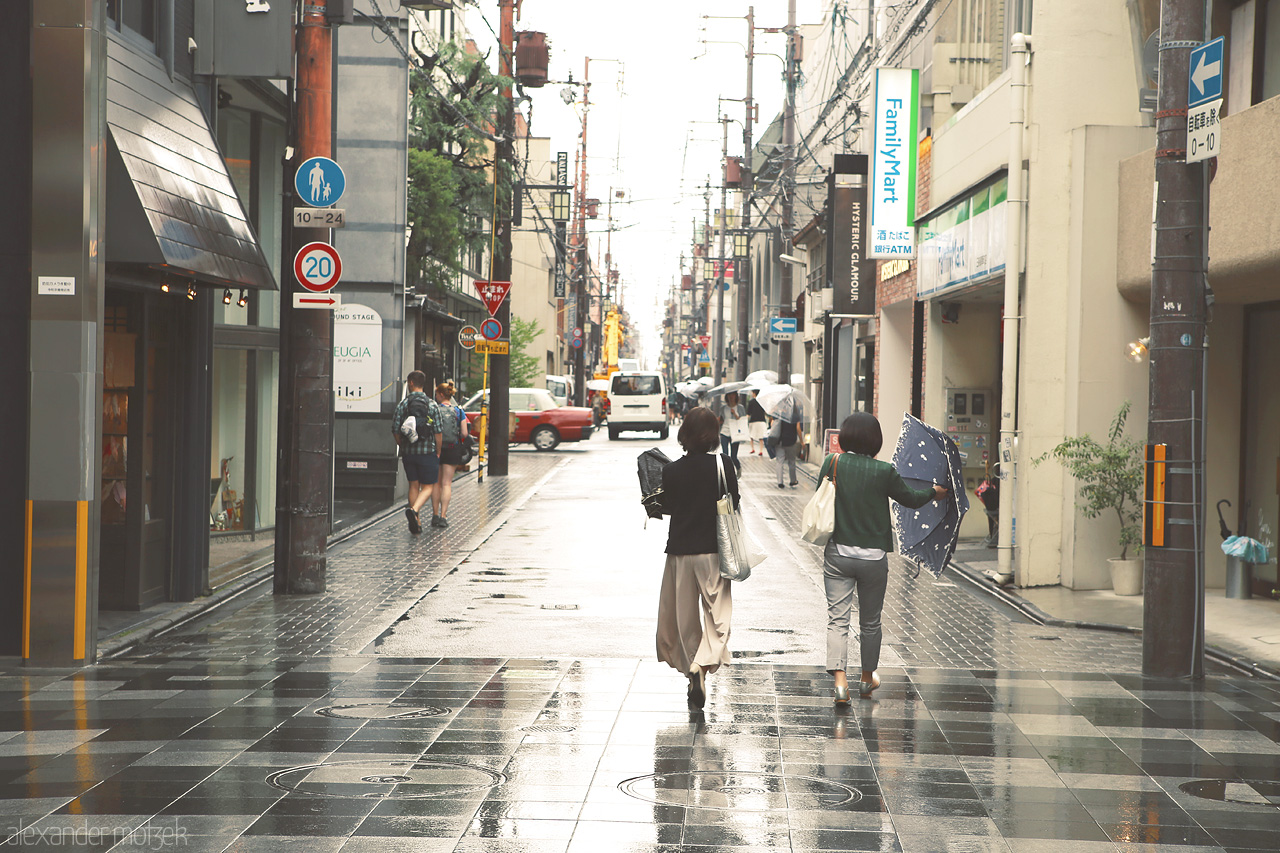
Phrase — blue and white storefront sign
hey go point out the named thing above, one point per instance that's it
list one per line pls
(320, 182)
(893, 164)
(963, 246)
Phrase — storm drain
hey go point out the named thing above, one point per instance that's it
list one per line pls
(386, 780)
(738, 791)
(376, 711)
(547, 728)
(1246, 792)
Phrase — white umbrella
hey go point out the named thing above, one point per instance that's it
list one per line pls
(690, 389)
(705, 381)
(727, 387)
(597, 384)
(783, 401)
(761, 378)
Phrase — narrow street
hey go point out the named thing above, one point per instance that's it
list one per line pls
(492, 687)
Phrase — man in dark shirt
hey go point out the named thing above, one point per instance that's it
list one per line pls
(788, 450)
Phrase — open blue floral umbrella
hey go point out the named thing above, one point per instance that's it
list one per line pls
(926, 456)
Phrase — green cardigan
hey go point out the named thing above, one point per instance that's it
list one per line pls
(863, 486)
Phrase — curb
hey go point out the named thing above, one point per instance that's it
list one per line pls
(117, 644)
(984, 585)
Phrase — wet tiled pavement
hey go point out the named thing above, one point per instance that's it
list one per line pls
(264, 735)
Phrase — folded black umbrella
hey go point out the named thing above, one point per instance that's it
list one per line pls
(926, 456)
(649, 466)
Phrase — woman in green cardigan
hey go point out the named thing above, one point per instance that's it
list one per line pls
(855, 556)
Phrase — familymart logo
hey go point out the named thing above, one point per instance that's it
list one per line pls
(151, 836)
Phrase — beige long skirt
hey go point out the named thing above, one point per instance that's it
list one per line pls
(692, 583)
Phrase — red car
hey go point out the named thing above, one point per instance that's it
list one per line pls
(539, 420)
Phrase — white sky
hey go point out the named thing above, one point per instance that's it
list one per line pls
(657, 138)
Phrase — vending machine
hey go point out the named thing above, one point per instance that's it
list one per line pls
(971, 423)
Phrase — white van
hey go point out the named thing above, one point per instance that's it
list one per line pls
(638, 401)
(561, 388)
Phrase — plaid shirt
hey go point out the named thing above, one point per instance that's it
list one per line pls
(426, 444)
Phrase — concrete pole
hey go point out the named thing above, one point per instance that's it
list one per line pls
(788, 185)
(67, 286)
(305, 469)
(721, 263)
(1020, 47)
(743, 276)
(500, 365)
(1173, 579)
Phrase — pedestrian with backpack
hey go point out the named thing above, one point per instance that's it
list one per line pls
(414, 427)
(453, 441)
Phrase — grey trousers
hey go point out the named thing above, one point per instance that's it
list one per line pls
(787, 456)
(841, 576)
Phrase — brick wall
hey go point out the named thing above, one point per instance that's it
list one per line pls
(901, 287)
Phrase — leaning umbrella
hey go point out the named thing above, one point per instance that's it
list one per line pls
(926, 456)
(727, 387)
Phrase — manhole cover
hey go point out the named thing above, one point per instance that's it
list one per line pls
(386, 780)
(547, 728)
(1246, 792)
(376, 711)
(717, 789)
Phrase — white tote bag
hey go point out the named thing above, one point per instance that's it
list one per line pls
(819, 517)
(739, 553)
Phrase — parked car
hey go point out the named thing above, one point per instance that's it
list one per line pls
(639, 401)
(539, 420)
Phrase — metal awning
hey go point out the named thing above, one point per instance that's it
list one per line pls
(170, 199)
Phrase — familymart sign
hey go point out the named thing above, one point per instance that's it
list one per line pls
(893, 164)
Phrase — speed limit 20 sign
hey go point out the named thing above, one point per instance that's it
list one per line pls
(318, 267)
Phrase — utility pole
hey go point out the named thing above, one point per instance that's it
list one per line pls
(788, 182)
(500, 366)
(743, 276)
(706, 259)
(580, 248)
(305, 454)
(720, 264)
(1173, 574)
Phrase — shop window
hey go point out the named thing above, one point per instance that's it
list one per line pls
(227, 458)
(268, 396)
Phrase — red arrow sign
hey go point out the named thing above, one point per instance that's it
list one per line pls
(328, 300)
(492, 293)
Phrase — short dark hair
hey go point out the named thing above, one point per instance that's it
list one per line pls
(700, 431)
(417, 379)
(860, 433)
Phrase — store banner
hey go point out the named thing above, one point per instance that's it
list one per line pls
(853, 274)
(893, 163)
(963, 246)
(357, 359)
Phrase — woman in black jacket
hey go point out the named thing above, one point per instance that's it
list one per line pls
(690, 489)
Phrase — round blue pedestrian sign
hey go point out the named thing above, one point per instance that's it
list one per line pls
(490, 329)
(320, 182)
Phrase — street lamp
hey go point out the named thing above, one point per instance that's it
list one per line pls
(792, 259)
(560, 206)
(741, 243)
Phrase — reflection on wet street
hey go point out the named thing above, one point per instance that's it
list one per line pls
(495, 690)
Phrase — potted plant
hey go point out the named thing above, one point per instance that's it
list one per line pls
(1111, 480)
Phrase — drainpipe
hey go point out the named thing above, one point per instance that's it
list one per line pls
(1021, 58)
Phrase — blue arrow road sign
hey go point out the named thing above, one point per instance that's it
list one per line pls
(1205, 81)
(320, 182)
(782, 325)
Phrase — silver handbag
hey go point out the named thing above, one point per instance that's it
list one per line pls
(738, 554)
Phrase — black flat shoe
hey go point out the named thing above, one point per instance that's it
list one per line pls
(414, 526)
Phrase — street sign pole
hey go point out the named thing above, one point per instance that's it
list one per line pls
(305, 426)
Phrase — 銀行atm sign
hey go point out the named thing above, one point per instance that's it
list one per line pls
(492, 293)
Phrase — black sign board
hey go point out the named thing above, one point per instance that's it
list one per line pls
(853, 275)
(560, 283)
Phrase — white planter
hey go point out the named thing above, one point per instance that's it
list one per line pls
(1126, 576)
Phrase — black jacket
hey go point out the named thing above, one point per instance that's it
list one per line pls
(690, 489)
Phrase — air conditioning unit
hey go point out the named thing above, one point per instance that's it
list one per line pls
(815, 365)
